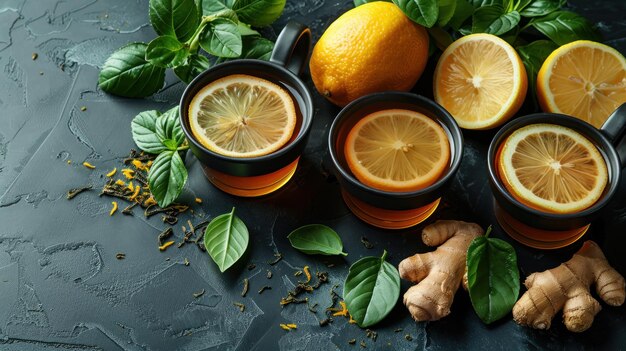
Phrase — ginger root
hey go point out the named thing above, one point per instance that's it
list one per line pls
(438, 274)
(567, 287)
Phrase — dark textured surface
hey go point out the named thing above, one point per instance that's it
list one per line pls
(61, 286)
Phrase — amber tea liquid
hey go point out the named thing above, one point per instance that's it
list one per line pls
(370, 213)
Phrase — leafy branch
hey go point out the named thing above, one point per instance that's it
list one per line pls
(221, 28)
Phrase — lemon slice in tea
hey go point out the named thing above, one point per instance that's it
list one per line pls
(397, 150)
(552, 168)
(242, 116)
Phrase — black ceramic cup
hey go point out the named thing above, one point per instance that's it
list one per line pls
(384, 209)
(550, 230)
(259, 175)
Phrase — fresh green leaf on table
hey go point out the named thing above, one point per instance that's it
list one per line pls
(316, 239)
(258, 13)
(563, 27)
(222, 38)
(167, 177)
(446, 11)
(127, 73)
(538, 8)
(424, 12)
(492, 277)
(371, 290)
(168, 129)
(166, 51)
(144, 132)
(494, 20)
(226, 239)
(194, 65)
(177, 18)
(462, 11)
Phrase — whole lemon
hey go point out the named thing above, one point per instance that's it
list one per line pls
(371, 48)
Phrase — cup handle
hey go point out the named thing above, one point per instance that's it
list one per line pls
(614, 128)
(292, 47)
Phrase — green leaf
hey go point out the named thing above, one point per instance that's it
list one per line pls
(539, 8)
(256, 48)
(177, 18)
(424, 12)
(245, 30)
(446, 11)
(143, 127)
(493, 20)
(521, 4)
(371, 289)
(533, 55)
(316, 239)
(194, 65)
(166, 51)
(361, 2)
(226, 239)
(127, 73)
(166, 177)
(492, 277)
(258, 13)
(210, 7)
(480, 3)
(563, 27)
(168, 128)
(462, 11)
(222, 38)
(440, 37)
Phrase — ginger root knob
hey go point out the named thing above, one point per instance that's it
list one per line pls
(438, 274)
(567, 287)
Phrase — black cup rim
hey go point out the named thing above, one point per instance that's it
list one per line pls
(570, 122)
(307, 118)
(387, 96)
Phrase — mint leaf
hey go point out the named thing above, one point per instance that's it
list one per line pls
(222, 38)
(492, 19)
(166, 177)
(194, 65)
(538, 8)
(127, 73)
(168, 128)
(424, 12)
(166, 51)
(143, 128)
(563, 27)
(177, 18)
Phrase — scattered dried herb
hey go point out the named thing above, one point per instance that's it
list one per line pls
(198, 294)
(408, 337)
(34, 56)
(312, 307)
(112, 172)
(307, 273)
(284, 327)
(114, 208)
(397, 330)
(83, 108)
(246, 286)
(186, 262)
(266, 287)
(73, 192)
(166, 245)
(88, 165)
(164, 235)
(241, 306)
(278, 256)
(297, 273)
(363, 345)
(352, 341)
(269, 275)
(368, 245)
(128, 210)
(251, 266)
(120, 256)
(326, 321)
(371, 334)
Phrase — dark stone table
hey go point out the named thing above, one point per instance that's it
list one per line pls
(61, 286)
